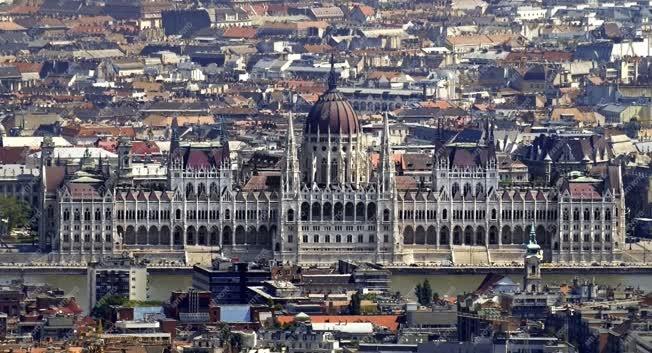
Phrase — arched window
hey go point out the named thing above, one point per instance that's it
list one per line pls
(576, 214)
(338, 238)
(444, 214)
(455, 189)
(315, 238)
(290, 215)
(493, 213)
(178, 214)
(386, 215)
(213, 189)
(467, 189)
(479, 189)
(607, 215)
(587, 214)
(305, 211)
(349, 238)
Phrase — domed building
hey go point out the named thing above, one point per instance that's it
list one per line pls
(328, 183)
(333, 150)
(330, 203)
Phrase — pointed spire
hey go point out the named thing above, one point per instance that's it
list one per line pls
(533, 234)
(387, 170)
(290, 134)
(291, 159)
(332, 76)
(491, 132)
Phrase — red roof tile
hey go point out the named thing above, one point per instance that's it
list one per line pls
(198, 160)
(54, 177)
(584, 190)
(240, 32)
(13, 155)
(144, 147)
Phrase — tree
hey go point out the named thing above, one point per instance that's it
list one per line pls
(418, 292)
(101, 309)
(15, 211)
(632, 128)
(427, 292)
(423, 292)
(355, 306)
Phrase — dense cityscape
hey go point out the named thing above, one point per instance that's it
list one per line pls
(274, 176)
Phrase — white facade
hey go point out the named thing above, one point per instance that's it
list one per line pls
(330, 203)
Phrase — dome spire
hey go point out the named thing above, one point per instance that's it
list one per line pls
(332, 77)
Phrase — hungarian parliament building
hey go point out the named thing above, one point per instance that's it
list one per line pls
(329, 201)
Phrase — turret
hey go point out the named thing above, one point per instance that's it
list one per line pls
(3, 133)
(386, 165)
(291, 173)
(532, 262)
(547, 164)
(47, 152)
(124, 160)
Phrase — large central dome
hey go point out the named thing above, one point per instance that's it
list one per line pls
(332, 112)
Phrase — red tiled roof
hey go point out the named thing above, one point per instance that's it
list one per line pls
(22, 9)
(366, 10)
(404, 182)
(29, 67)
(54, 176)
(198, 160)
(92, 130)
(108, 145)
(240, 32)
(144, 147)
(584, 190)
(13, 155)
(317, 48)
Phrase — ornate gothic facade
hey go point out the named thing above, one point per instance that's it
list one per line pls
(331, 200)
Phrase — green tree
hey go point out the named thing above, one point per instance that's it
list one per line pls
(632, 128)
(14, 211)
(102, 307)
(356, 304)
(427, 292)
(418, 292)
(423, 292)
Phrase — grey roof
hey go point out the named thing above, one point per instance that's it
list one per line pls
(9, 72)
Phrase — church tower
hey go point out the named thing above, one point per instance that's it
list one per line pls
(532, 263)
